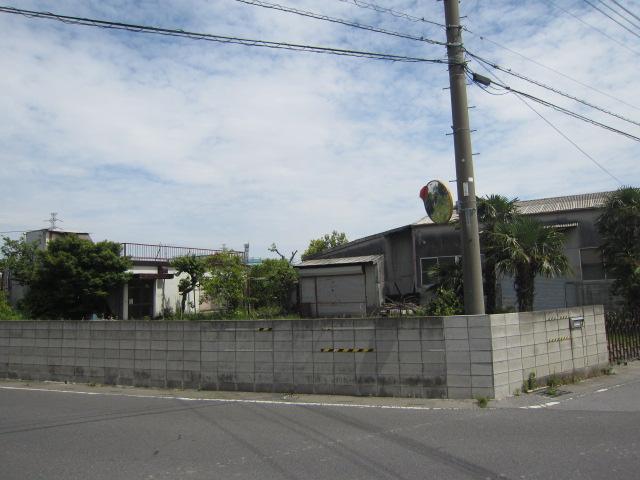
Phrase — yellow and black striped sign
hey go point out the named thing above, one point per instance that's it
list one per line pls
(346, 350)
(559, 339)
(264, 329)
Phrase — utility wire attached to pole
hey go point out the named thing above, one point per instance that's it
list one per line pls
(508, 71)
(170, 32)
(348, 23)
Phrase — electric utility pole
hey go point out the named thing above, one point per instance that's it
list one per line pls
(467, 211)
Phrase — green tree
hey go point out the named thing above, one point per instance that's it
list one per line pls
(493, 210)
(74, 278)
(227, 280)
(619, 226)
(272, 282)
(319, 245)
(525, 248)
(20, 259)
(195, 268)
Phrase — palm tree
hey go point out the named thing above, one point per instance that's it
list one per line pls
(448, 289)
(447, 276)
(619, 226)
(525, 248)
(493, 210)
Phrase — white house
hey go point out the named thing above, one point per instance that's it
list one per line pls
(153, 288)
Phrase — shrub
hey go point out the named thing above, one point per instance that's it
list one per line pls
(6, 312)
(271, 284)
(445, 303)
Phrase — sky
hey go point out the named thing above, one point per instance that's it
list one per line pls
(152, 139)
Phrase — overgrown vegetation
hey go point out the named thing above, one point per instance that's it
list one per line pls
(531, 383)
(619, 227)
(6, 312)
(268, 313)
(271, 284)
(445, 302)
(553, 382)
(226, 281)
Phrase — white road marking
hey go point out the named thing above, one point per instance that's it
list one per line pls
(601, 390)
(541, 405)
(233, 400)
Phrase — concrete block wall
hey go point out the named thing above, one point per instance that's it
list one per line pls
(469, 359)
(386, 357)
(431, 357)
(543, 343)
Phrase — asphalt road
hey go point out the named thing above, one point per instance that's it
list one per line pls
(78, 432)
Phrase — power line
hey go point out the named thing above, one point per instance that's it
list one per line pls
(305, 13)
(390, 11)
(566, 111)
(557, 72)
(560, 132)
(626, 9)
(568, 12)
(550, 88)
(580, 149)
(215, 38)
(595, 7)
(617, 12)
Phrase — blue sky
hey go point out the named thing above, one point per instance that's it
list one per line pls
(151, 139)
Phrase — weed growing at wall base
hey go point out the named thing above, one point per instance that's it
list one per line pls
(6, 312)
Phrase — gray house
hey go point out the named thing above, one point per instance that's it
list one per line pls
(409, 251)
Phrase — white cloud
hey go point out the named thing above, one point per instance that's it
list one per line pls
(155, 139)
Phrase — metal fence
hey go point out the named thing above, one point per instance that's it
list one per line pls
(143, 251)
(623, 336)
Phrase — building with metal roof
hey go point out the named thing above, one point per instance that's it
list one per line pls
(341, 286)
(585, 201)
(411, 250)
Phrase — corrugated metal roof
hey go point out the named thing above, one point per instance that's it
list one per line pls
(550, 205)
(562, 204)
(427, 221)
(340, 261)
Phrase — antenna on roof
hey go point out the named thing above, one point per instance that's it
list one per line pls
(53, 220)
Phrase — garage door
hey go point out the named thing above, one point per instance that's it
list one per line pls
(341, 295)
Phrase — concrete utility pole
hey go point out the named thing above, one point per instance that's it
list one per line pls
(472, 267)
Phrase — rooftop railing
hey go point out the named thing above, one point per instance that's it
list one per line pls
(165, 253)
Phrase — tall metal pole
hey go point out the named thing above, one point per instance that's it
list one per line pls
(472, 268)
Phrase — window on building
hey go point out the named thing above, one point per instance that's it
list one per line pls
(591, 264)
(427, 264)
